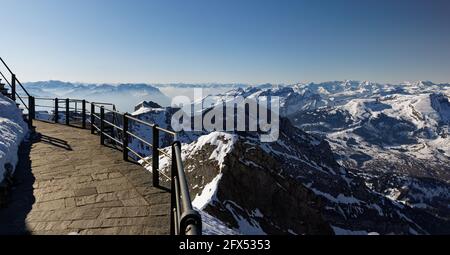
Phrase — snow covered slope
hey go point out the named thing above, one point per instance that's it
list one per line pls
(12, 131)
(160, 116)
(403, 136)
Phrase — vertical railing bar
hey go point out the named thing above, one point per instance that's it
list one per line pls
(92, 118)
(155, 156)
(67, 112)
(31, 111)
(113, 129)
(83, 114)
(125, 137)
(13, 87)
(56, 110)
(102, 125)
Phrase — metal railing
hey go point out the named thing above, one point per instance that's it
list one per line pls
(184, 220)
(115, 126)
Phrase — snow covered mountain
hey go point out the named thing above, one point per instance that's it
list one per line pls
(374, 159)
(121, 94)
(309, 96)
(291, 99)
(292, 186)
(401, 136)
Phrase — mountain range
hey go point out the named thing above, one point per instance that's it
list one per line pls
(352, 158)
(120, 94)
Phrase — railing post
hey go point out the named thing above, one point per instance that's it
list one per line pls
(102, 126)
(83, 114)
(31, 111)
(125, 137)
(13, 87)
(173, 199)
(56, 110)
(67, 112)
(155, 156)
(92, 118)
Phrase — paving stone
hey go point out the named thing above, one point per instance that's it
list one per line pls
(70, 202)
(49, 205)
(85, 224)
(101, 231)
(106, 197)
(137, 201)
(120, 222)
(107, 204)
(134, 230)
(127, 194)
(122, 212)
(54, 196)
(85, 200)
(85, 192)
(113, 187)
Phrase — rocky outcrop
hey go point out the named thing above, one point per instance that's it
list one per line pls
(146, 104)
(292, 186)
(253, 199)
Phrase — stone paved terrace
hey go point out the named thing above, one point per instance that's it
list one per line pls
(66, 182)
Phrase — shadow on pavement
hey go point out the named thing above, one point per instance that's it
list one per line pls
(21, 198)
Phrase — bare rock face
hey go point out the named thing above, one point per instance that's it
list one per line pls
(254, 200)
(278, 204)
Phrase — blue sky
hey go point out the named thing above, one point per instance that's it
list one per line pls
(226, 41)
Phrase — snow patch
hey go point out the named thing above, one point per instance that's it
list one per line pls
(223, 143)
(13, 130)
(214, 226)
(207, 195)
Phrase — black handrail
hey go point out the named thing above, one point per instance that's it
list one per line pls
(184, 220)
(15, 95)
(7, 67)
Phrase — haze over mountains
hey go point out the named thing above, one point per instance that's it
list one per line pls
(352, 158)
(126, 95)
